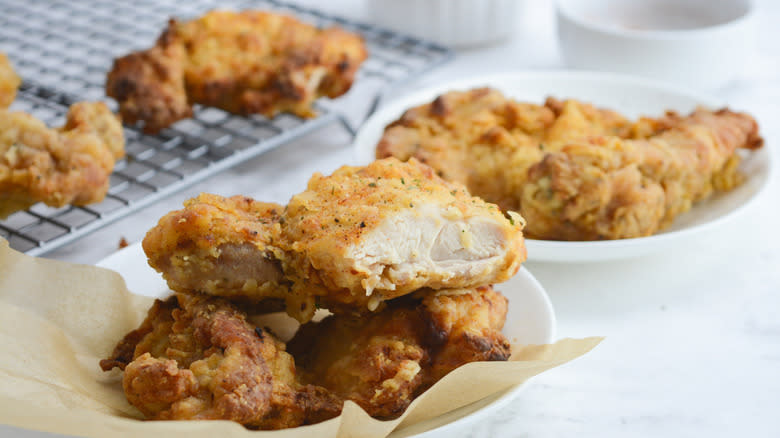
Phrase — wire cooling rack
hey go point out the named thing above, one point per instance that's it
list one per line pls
(63, 49)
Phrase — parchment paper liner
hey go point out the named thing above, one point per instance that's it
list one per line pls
(60, 319)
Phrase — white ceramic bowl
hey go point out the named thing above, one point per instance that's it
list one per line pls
(457, 23)
(697, 43)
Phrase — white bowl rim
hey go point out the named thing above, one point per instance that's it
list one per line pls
(659, 35)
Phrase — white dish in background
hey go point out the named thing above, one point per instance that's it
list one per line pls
(698, 43)
(458, 23)
(530, 320)
(628, 95)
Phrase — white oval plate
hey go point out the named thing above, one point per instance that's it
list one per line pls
(530, 320)
(630, 96)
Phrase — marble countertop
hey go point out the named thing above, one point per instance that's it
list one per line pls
(692, 342)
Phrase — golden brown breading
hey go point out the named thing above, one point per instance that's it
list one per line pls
(487, 142)
(382, 361)
(149, 86)
(347, 243)
(225, 247)
(66, 165)
(199, 358)
(9, 82)
(150, 336)
(494, 145)
(219, 246)
(367, 234)
(575, 119)
(469, 137)
(374, 360)
(466, 327)
(248, 62)
(611, 188)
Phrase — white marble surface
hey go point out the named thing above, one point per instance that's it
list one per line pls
(692, 342)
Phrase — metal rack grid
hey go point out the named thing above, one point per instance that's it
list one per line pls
(63, 49)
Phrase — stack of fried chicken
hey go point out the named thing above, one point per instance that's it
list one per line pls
(574, 171)
(66, 165)
(402, 260)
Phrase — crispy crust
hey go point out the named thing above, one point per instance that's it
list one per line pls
(487, 142)
(197, 357)
(382, 361)
(304, 253)
(374, 360)
(9, 82)
(149, 86)
(151, 335)
(248, 62)
(220, 246)
(66, 165)
(464, 326)
(613, 188)
(457, 133)
(228, 247)
(575, 172)
(323, 225)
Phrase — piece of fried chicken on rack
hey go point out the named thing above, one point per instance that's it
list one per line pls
(197, 357)
(9, 82)
(611, 188)
(368, 234)
(58, 166)
(383, 360)
(248, 62)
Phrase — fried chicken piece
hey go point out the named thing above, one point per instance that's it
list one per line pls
(150, 337)
(197, 357)
(225, 247)
(465, 327)
(382, 361)
(368, 234)
(219, 246)
(9, 82)
(374, 360)
(612, 178)
(612, 188)
(149, 85)
(66, 165)
(248, 62)
(487, 142)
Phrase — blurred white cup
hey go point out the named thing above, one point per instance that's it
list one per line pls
(699, 43)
